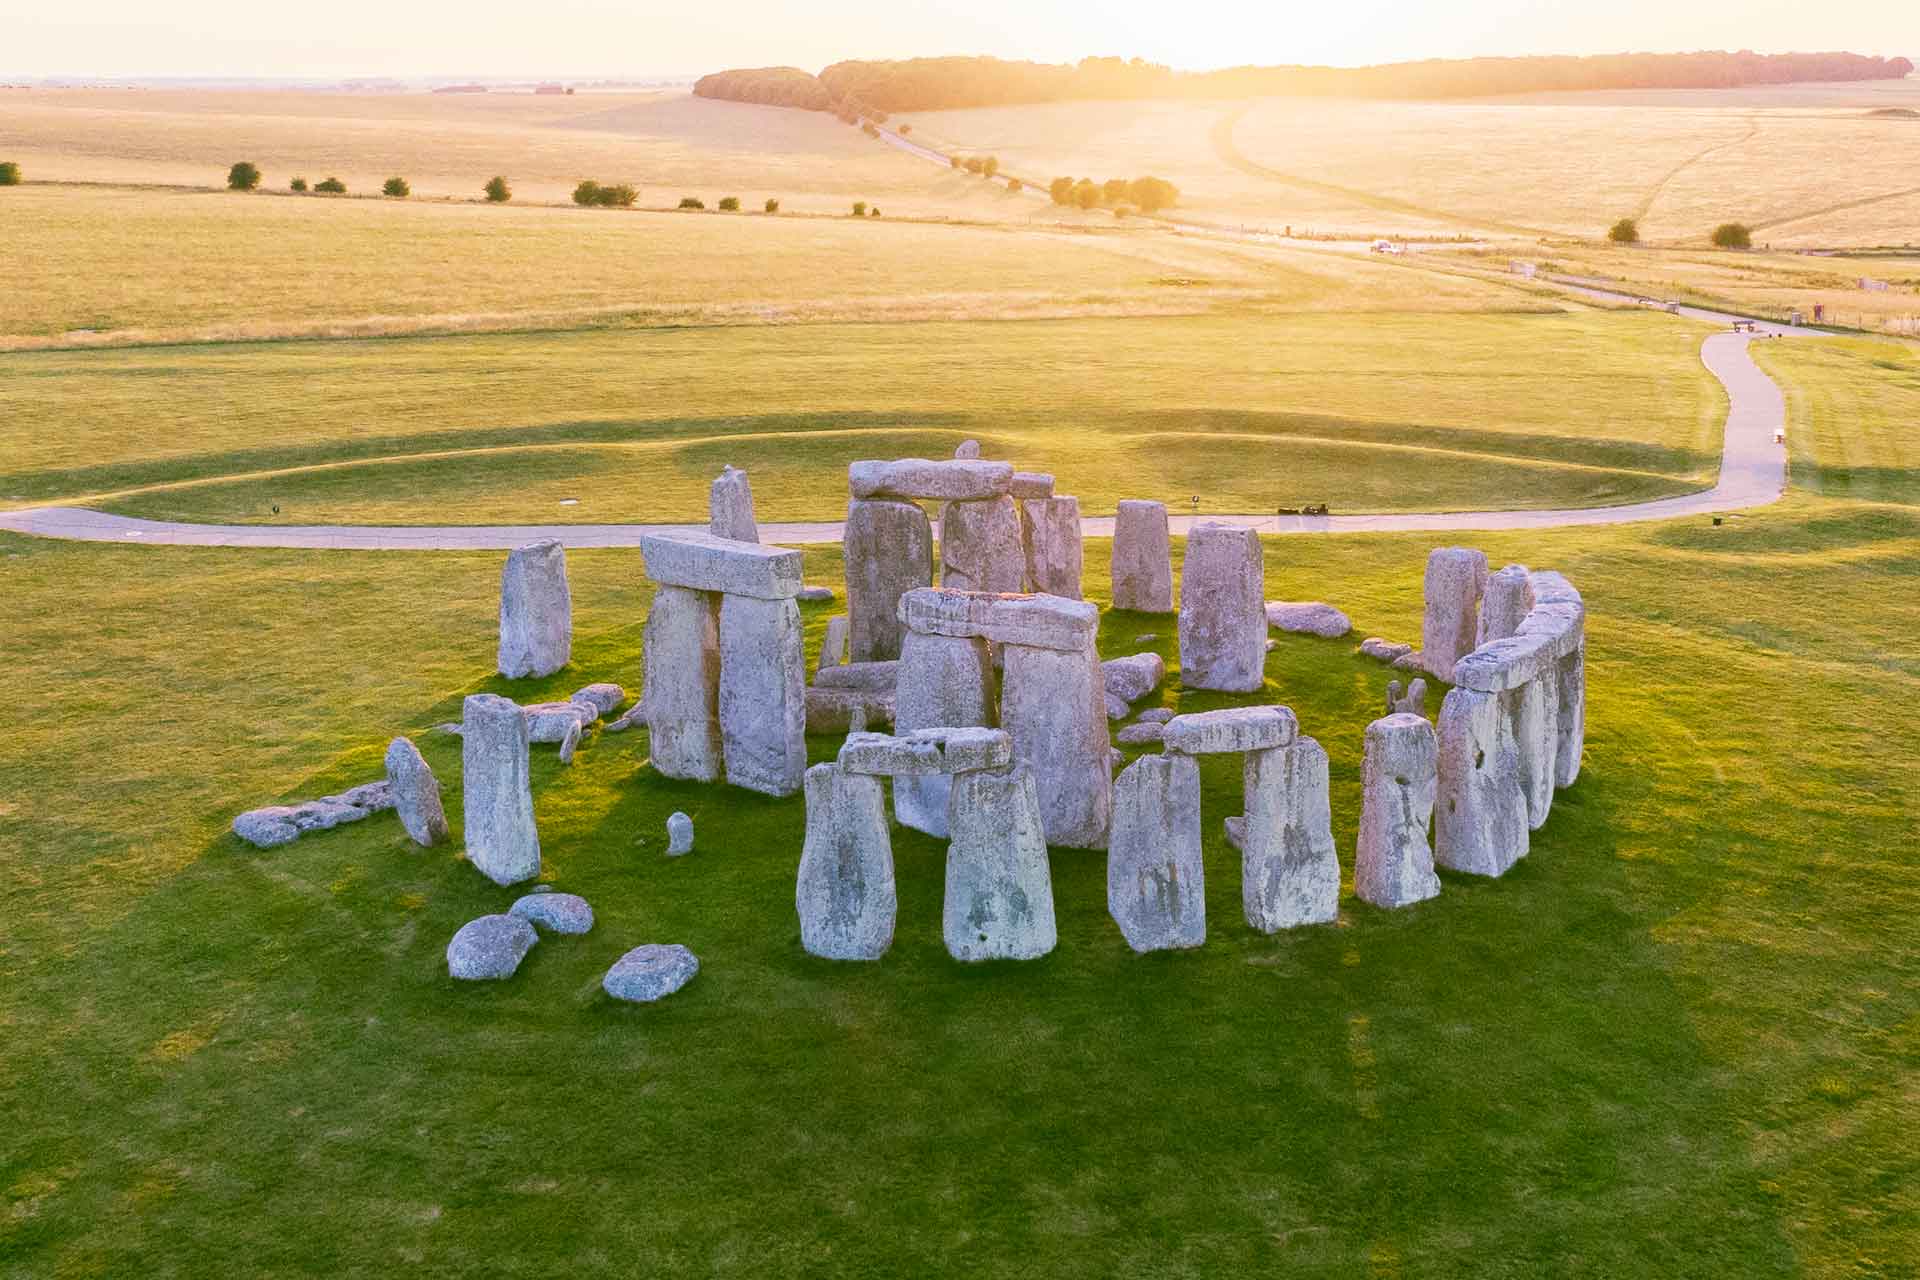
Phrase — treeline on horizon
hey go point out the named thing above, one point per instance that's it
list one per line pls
(928, 84)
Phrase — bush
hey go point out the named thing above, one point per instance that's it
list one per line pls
(587, 193)
(298, 184)
(1085, 194)
(244, 176)
(730, 204)
(956, 162)
(620, 195)
(1153, 194)
(9, 174)
(859, 208)
(976, 165)
(396, 187)
(692, 202)
(1061, 189)
(1113, 191)
(1013, 184)
(1625, 231)
(773, 206)
(1733, 235)
(990, 166)
(905, 129)
(498, 192)
(874, 212)
(332, 186)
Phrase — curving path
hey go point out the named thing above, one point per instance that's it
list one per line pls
(1753, 472)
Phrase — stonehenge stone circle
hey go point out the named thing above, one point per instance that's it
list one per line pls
(1480, 809)
(1393, 864)
(980, 546)
(536, 612)
(1142, 557)
(1289, 871)
(888, 552)
(650, 973)
(1223, 619)
(681, 697)
(844, 892)
(763, 710)
(999, 897)
(730, 507)
(490, 947)
(416, 794)
(679, 834)
(1308, 617)
(1156, 886)
(1054, 550)
(944, 682)
(1456, 578)
(497, 791)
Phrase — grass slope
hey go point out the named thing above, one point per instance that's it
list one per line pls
(1853, 416)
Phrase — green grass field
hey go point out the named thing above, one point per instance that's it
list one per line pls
(1853, 411)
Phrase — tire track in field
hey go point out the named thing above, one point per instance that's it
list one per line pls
(1842, 207)
(1659, 188)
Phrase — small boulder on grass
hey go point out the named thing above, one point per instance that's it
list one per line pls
(555, 912)
(650, 973)
(490, 947)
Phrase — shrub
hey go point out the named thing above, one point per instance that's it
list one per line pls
(619, 195)
(692, 202)
(874, 212)
(396, 187)
(1625, 231)
(1013, 184)
(1733, 235)
(9, 174)
(498, 191)
(773, 206)
(588, 192)
(1085, 194)
(1061, 189)
(859, 208)
(730, 204)
(905, 129)
(332, 186)
(298, 184)
(956, 162)
(244, 176)
(1113, 191)
(1153, 194)
(869, 130)
(990, 166)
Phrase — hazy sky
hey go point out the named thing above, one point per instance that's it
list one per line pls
(600, 37)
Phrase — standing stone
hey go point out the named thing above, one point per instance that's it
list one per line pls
(1055, 555)
(679, 834)
(1480, 811)
(763, 694)
(888, 551)
(681, 698)
(416, 793)
(1156, 888)
(1412, 701)
(1055, 706)
(1289, 872)
(967, 449)
(1223, 614)
(943, 682)
(1534, 710)
(1456, 579)
(730, 507)
(833, 647)
(980, 547)
(1393, 866)
(1504, 604)
(1571, 685)
(1142, 557)
(999, 902)
(536, 612)
(845, 893)
(497, 790)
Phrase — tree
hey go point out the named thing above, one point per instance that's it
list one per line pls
(396, 187)
(730, 204)
(990, 166)
(587, 193)
(874, 212)
(1625, 231)
(1153, 194)
(905, 129)
(976, 165)
(859, 208)
(332, 186)
(298, 184)
(1061, 189)
(1114, 191)
(956, 162)
(692, 202)
(619, 195)
(773, 206)
(1013, 184)
(244, 176)
(9, 174)
(1733, 235)
(1085, 194)
(498, 192)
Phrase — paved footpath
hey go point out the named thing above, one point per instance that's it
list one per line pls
(1753, 472)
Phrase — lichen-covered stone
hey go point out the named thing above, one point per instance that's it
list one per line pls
(1480, 809)
(1384, 650)
(833, 646)
(763, 694)
(967, 449)
(730, 507)
(1054, 705)
(945, 480)
(679, 834)
(1142, 734)
(844, 893)
(490, 947)
(274, 825)
(980, 546)
(1289, 872)
(1232, 729)
(1133, 677)
(999, 897)
(497, 790)
(1456, 578)
(944, 682)
(1030, 484)
(1533, 710)
(681, 698)
(1393, 863)
(1156, 715)
(416, 793)
(650, 973)
(1054, 547)
(604, 697)
(536, 611)
(1223, 620)
(1156, 885)
(1038, 621)
(925, 752)
(703, 562)
(888, 552)
(1142, 557)
(554, 912)
(1308, 617)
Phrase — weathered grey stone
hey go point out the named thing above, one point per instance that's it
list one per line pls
(1533, 710)
(874, 677)
(967, 449)
(1271, 644)
(1116, 760)
(999, 899)
(980, 547)
(944, 682)
(835, 710)
(650, 973)
(556, 721)
(1137, 735)
(1384, 650)
(1236, 827)
(536, 611)
(1055, 553)
(1030, 484)
(605, 698)
(1133, 677)
(1504, 604)
(1223, 620)
(1054, 705)
(952, 480)
(702, 562)
(1142, 557)
(416, 793)
(275, 825)
(1410, 662)
(1156, 885)
(635, 714)
(1480, 813)
(497, 790)
(490, 947)
(1413, 701)
(1570, 683)
(1044, 622)
(1499, 665)
(833, 646)
(845, 893)
(888, 552)
(1393, 864)
(554, 912)
(814, 595)
(730, 507)
(681, 698)
(1156, 715)
(1117, 709)
(1289, 872)
(925, 752)
(571, 743)
(1456, 578)
(763, 694)
(1232, 729)
(1308, 617)
(679, 834)
(374, 797)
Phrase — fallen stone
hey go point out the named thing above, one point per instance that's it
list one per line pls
(833, 646)
(649, 973)
(1232, 729)
(999, 895)
(490, 947)
(1480, 809)
(836, 710)
(1044, 622)
(554, 912)
(1393, 864)
(503, 843)
(1223, 623)
(888, 552)
(1116, 760)
(275, 825)
(1054, 705)
(1156, 887)
(416, 794)
(844, 892)
(1133, 677)
(1142, 734)
(681, 700)
(679, 834)
(980, 547)
(1156, 715)
(1409, 662)
(730, 507)
(1413, 701)
(1384, 650)
(956, 480)
(605, 698)
(763, 694)
(1504, 604)
(374, 797)
(1054, 548)
(1289, 872)
(555, 721)
(702, 562)
(925, 752)
(1142, 557)
(967, 449)
(636, 714)
(814, 595)
(945, 682)
(1271, 645)
(536, 612)
(874, 677)
(1456, 578)
(1030, 484)
(1311, 617)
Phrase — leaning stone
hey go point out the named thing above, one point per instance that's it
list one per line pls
(1393, 864)
(416, 793)
(844, 892)
(1456, 578)
(925, 752)
(730, 507)
(1480, 812)
(1504, 604)
(636, 714)
(681, 699)
(814, 595)
(1232, 729)
(873, 677)
(1156, 886)
(763, 694)
(957, 480)
(702, 562)
(833, 646)
(967, 449)
(1413, 701)
(536, 612)
(1312, 617)
(1384, 650)
(1289, 872)
(554, 912)
(1139, 735)
(1054, 705)
(490, 947)
(1133, 677)
(1223, 621)
(980, 547)
(648, 973)
(835, 710)
(1156, 715)
(944, 682)
(1054, 549)
(1142, 557)
(999, 897)
(571, 743)
(497, 790)
(605, 698)
(1030, 484)
(679, 834)
(1044, 622)
(888, 552)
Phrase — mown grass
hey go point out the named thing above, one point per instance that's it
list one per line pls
(1679, 1039)
(1251, 412)
(1853, 416)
